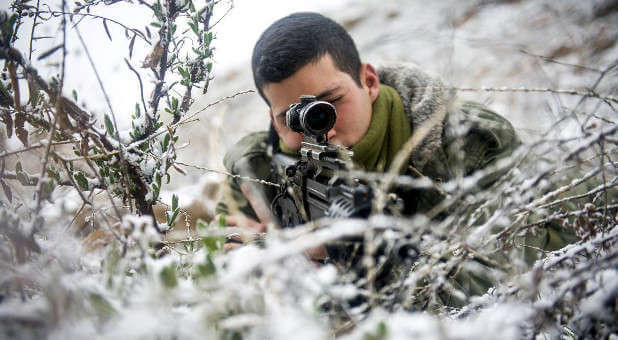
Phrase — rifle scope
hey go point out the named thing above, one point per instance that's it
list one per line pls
(311, 116)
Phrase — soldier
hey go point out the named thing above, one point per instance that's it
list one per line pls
(377, 111)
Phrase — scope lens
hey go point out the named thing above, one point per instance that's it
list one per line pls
(318, 120)
(319, 117)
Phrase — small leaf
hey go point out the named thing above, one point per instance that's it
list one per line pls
(81, 180)
(47, 187)
(74, 93)
(212, 243)
(168, 276)
(23, 178)
(108, 125)
(49, 52)
(101, 305)
(52, 173)
(174, 202)
(8, 122)
(7, 191)
(107, 30)
(207, 269)
(131, 45)
(148, 34)
(166, 142)
(201, 225)
(222, 220)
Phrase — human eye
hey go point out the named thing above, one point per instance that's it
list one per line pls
(335, 100)
(280, 118)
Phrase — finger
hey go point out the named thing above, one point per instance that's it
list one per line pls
(234, 238)
(256, 226)
(231, 246)
(230, 220)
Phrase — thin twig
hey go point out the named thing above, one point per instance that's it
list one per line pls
(583, 93)
(560, 217)
(59, 107)
(33, 28)
(111, 111)
(162, 131)
(244, 178)
(32, 147)
(133, 30)
(552, 60)
(141, 85)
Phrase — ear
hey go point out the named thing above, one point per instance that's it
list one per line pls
(370, 80)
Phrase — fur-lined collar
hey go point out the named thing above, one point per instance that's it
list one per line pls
(426, 102)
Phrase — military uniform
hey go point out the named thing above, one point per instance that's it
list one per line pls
(459, 138)
(443, 154)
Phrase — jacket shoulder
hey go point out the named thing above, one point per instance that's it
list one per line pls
(473, 137)
(252, 145)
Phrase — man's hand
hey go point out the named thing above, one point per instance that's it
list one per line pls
(243, 222)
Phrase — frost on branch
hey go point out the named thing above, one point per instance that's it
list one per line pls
(533, 254)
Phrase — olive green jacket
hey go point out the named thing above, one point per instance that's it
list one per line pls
(443, 153)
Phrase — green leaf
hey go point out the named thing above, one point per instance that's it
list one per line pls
(213, 243)
(50, 52)
(194, 27)
(131, 45)
(46, 190)
(222, 220)
(206, 269)
(102, 306)
(74, 93)
(51, 172)
(81, 180)
(165, 143)
(174, 202)
(23, 178)
(207, 38)
(380, 334)
(171, 218)
(201, 224)
(7, 191)
(109, 126)
(168, 276)
(182, 72)
(158, 179)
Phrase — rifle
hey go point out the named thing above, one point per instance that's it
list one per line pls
(317, 184)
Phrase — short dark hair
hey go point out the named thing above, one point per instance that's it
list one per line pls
(298, 39)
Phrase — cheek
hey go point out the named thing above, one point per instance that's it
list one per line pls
(345, 118)
(291, 139)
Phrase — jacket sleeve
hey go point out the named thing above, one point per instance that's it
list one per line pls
(476, 138)
(247, 158)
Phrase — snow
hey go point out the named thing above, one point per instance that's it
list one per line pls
(274, 291)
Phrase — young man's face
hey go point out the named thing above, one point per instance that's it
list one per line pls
(323, 80)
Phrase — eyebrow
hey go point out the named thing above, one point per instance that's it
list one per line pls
(321, 96)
